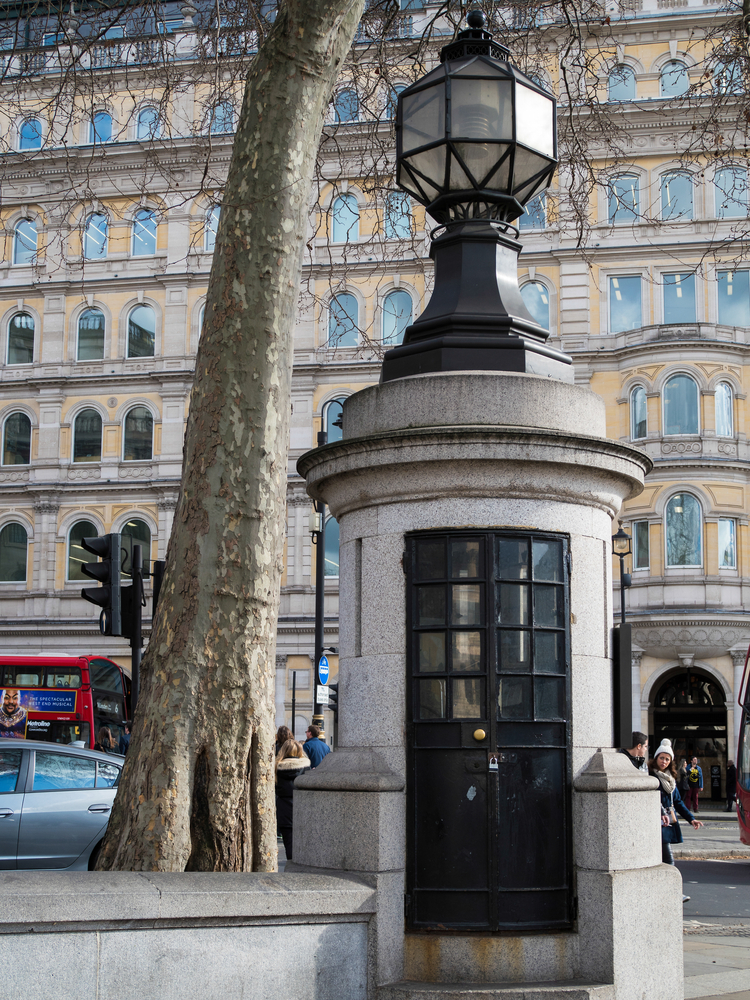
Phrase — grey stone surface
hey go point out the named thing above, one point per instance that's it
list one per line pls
(497, 991)
(372, 692)
(383, 627)
(591, 715)
(610, 771)
(616, 832)
(352, 770)
(43, 968)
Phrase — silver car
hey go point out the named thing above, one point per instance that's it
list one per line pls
(55, 803)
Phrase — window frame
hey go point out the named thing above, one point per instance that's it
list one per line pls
(663, 73)
(732, 543)
(727, 278)
(3, 528)
(347, 198)
(132, 409)
(390, 294)
(638, 565)
(336, 344)
(721, 212)
(683, 280)
(537, 284)
(326, 423)
(74, 436)
(11, 318)
(633, 435)
(664, 181)
(15, 413)
(85, 237)
(614, 197)
(138, 221)
(153, 131)
(612, 290)
(723, 384)
(210, 229)
(326, 574)
(17, 236)
(350, 119)
(625, 72)
(665, 401)
(139, 305)
(81, 315)
(701, 529)
(94, 532)
(22, 148)
(94, 138)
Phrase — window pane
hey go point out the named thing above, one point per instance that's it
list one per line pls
(514, 651)
(534, 216)
(640, 545)
(21, 339)
(513, 558)
(679, 298)
(514, 698)
(681, 406)
(148, 124)
(684, 531)
(513, 604)
(730, 193)
(397, 315)
(727, 546)
(548, 605)
(638, 413)
(624, 303)
(464, 558)
(144, 234)
(674, 79)
(536, 299)
(77, 555)
(106, 775)
(621, 84)
(547, 559)
(431, 559)
(56, 771)
(466, 651)
(24, 242)
(13, 543)
(676, 197)
(468, 697)
(432, 651)
(723, 410)
(87, 437)
(346, 106)
(212, 226)
(345, 227)
(332, 547)
(30, 136)
(222, 118)
(397, 217)
(141, 332)
(734, 298)
(624, 198)
(95, 237)
(466, 608)
(135, 532)
(10, 765)
(334, 410)
(549, 697)
(139, 433)
(100, 129)
(549, 652)
(342, 321)
(431, 605)
(17, 440)
(91, 335)
(432, 699)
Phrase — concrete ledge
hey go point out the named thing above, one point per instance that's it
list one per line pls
(352, 770)
(611, 771)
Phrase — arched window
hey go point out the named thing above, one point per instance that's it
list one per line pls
(332, 413)
(392, 103)
(211, 228)
(95, 237)
(676, 197)
(343, 320)
(135, 532)
(17, 440)
(621, 84)
(141, 332)
(144, 233)
(397, 216)
(345, 226)
(138, 436)
(679, 298)
(728, 78)
(13, 545)
(535, 214)
(148, 125)
(91, 326)
(684, 531)
(734, 298)
(397, 315)
(624, 197)
(730, 193)
(24, 242)
(674, 79)
(681, 405)
(77, 555)
(536, 300)
(222, 118)
(724, 410)
(638, 413)
(21, 339)
(87, 437)
(332, 547)
(100, 127)
(346, 106)
(30, 134)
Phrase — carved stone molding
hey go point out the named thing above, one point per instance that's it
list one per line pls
(140, 473)
(46, 505)
(727, 448)
(15, 477)
(738, 656)
(681, 448)
(167, 503)
(696, 639)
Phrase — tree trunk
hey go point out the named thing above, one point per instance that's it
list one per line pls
(197, 790)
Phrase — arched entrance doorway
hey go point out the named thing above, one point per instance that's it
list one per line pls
(690, 710)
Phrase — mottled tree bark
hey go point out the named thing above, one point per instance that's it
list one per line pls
(197, 791)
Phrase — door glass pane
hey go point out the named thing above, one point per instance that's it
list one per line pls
(549, 653)
(513, 559)
(465, 558)
(466, 604)
(514, 698)
(431, 605)
(468, 698)
(549, 697)
(56, 771)
(547, 559)
(466, 651)
(515, 651)
(432, 651)
(432, 699)
(10, 763)
(548, 605)
(513, 604)
(431, 559)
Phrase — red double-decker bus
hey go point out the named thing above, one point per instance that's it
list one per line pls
(62, 699)
(743, 757)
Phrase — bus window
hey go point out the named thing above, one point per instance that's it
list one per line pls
(743, 763)
(63, 679)
(58, 732)
(16, 677)
(105, 674)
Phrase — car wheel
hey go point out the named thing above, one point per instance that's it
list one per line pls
(94, 856)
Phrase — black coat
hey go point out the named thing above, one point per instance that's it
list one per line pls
(286, 773)
(731, 780)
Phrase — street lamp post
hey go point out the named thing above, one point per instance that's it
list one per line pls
(476, 141)
(621, 548)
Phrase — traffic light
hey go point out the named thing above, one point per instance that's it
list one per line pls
(107, 572)
(333, 700)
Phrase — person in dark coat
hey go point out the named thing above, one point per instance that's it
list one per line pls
(314, 747)
(731, 785)
(124, 743)
(291, 761)
(663, 769)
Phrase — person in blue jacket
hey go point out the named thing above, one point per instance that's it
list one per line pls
(663, 769)
(314, 747)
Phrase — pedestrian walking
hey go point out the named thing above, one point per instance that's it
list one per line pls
(731, 785)
(124, 743)
(695, 784)
(283, 733)
(638, 751)
(682, 779)
(663, 769)
(315, 747)
(291, 762)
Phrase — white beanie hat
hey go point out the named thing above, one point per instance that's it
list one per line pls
(665, 747)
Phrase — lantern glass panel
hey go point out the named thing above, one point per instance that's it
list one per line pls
(431, 163)
(481, 109)
(535, 122)
(526, 165)
(478, 67)
(481, 158)
(423, 117)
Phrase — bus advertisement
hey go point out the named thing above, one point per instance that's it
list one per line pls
(62, 699)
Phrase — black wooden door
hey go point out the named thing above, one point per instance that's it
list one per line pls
(488, 784)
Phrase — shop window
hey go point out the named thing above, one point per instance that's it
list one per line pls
(727, 543)
(17, 440)
(95, 237)
(684, 531)
(141, 332)
(21, 339)
(13, 546)
(77, 555)
(345, 225)
(536, 299)
(724, 410)
(681, 412)
(734, 298)
(676, 197)
(87, 437)
(138, 435)
(91, 326)
(679, 298)
(638, 413)
(343, 321)
(624, 303)
(397, 316)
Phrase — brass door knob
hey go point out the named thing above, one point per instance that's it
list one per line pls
(479, 734)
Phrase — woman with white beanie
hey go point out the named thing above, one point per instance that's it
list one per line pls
(663, 769)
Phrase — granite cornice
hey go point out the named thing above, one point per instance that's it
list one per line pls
(651, 348)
